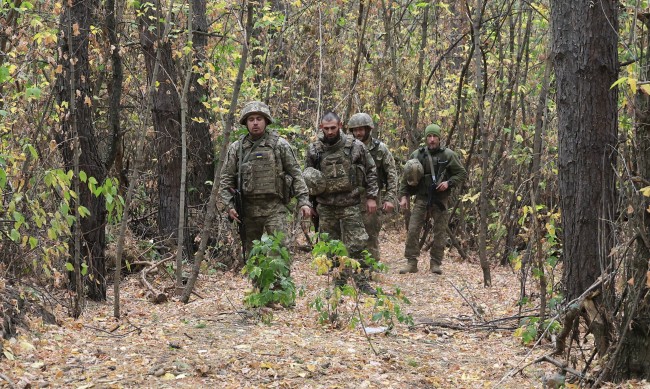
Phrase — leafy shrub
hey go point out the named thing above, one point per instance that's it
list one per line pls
(331, 257)
(269, 269)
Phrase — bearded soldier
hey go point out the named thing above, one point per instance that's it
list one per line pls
(336, 166)
(429, 175)
(261, 167)
(362, 125)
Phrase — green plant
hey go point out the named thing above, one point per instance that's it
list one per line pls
(331, 257)
(531, 328)
(269, 267)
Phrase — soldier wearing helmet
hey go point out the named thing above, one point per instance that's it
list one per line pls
(434, 171)
(263, 167)
(344, 165)
(361, 125)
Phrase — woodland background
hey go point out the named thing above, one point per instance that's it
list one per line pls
(115, 115)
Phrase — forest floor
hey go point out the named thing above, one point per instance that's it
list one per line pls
(459, 339)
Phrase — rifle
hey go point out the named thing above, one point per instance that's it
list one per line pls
(432, 196)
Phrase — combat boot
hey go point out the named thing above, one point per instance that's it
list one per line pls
(434, 268)
(410, 267)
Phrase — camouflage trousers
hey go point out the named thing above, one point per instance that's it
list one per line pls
(373, 223)
(344, 224)
(439, 230)
(256, 226)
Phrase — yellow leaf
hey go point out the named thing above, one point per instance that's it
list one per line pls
(311, 367)
(645, 191)
(266, 365)
(26, 346)
(8, 354)
(87, 101)
(632, 82)
(52, 145)
(168, 376)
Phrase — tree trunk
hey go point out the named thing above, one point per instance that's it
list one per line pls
(586, 64)
(200, 149)
(74, 53)
(166, 120)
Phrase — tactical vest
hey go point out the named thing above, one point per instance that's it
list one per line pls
(261, 169)
(337, 168)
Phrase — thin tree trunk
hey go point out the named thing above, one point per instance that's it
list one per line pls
(181, 208)
(230, 119)
(632, 359)
(483, 200)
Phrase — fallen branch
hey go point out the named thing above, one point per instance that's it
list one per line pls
(476, 312)
(562, 365)
(156, 296)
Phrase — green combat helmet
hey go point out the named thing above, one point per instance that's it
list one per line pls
(315, 181)
(255, 107)
(360, 120)
(413, 172)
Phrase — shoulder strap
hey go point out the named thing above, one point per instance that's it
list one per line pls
(241, 143)
(255, 144)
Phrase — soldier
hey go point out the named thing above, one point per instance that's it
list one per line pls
(437, 170)
(263, 167)
(344, 165)
(361, 125)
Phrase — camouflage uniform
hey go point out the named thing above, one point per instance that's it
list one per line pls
(386, 180)
(446, 163)
(271, 175)
(347, 166)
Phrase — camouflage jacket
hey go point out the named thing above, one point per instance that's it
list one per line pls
(287, 168)
(448, 168)
(360, 159)
(386, 170)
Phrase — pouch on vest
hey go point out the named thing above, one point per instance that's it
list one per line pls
(258, 173)
(337, 172)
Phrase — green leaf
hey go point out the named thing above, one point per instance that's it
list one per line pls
(3, 178)
(84, 269)
(33, 242)
(4, 73)
(69, 266)
(619, 81)
(83, 211)
(82, 176)
(33, 93)
(15, 235)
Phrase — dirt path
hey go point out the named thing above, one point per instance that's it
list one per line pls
(212, 342)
